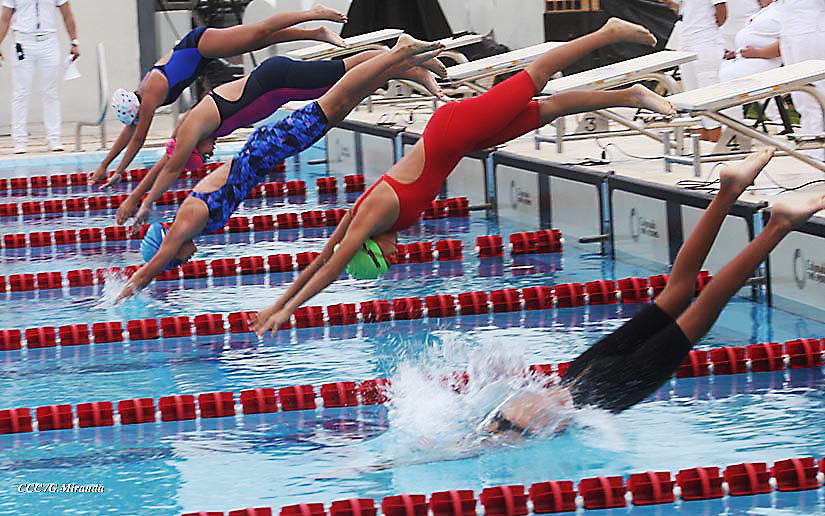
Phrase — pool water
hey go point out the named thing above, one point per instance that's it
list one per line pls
(421, 442)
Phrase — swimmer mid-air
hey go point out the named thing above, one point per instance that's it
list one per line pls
(167, 79)
(217, 196)
(634, 361)
(364, 241)
(241, 103)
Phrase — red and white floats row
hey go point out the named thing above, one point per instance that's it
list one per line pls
(135, 175)
(648, 488)
(443, 208)
(550, 241)
(797, 354)
(601, 292)
(183, 407)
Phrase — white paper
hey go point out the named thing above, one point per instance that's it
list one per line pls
(71, 72)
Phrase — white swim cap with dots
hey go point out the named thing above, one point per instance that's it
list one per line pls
(125, 104)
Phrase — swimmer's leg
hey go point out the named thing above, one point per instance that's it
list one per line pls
(734, 179)
(544, 111)
(559, 58)
(232, 41)
(700, 316)
(365, 78)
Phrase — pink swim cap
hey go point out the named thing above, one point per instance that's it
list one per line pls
(194, 162)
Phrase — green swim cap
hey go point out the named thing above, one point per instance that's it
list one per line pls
(368, 262)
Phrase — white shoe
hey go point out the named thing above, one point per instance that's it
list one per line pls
(20, 148)
(55, 147)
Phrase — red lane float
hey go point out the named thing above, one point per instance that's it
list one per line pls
(504, 501)
(404, 505)
(700, 483)
(795, 474)
(273, 189)
(99, 413)
(259, 401)
(748, 478)
(602, 492)
(651, 488)
(453, 503)
(136, 411)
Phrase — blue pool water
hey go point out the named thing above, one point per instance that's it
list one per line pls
(415, 445)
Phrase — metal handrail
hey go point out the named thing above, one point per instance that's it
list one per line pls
(103, 101)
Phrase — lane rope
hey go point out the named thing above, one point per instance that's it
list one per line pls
(647, 488)
(795, 354)
(489, 246)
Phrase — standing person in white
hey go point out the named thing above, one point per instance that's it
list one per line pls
(755, 49)
(34, 29)
(739, 11)
(699, 33)
(802, 37)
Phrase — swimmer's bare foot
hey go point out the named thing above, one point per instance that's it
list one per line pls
(326, 35)
(425, 78)
(736, 177)
(322, 12)
(436, 66)
(619, 30)
(789, 216)
(411, 46)
(651, 100)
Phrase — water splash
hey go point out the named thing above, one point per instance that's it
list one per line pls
(432, 419)
(433, 415)
(113, 284)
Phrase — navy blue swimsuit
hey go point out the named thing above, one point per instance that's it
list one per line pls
(268, 146)
(184, 66)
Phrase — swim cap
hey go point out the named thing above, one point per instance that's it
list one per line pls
(125, 104)
(368, 262)
(195, 160)
(151, 244)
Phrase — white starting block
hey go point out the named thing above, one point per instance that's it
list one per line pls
(451, 44)
(711, 100)
(355, 44)
(470, 73)
(649, 67)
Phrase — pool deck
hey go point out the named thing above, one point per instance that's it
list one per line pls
(784, 170)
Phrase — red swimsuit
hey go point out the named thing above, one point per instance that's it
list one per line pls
(504, 112)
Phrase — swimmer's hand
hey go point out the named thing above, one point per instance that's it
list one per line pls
(97, 175)
(113, 180)
(126, 210)
(141, 218)
(270, 318)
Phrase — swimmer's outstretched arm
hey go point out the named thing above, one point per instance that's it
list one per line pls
(350, 235)
(122, 140)
(146, 114)
(128, 207)
(189, 223)
(188, 136)
(323, 270)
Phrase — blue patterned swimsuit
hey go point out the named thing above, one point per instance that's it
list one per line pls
(268, 146)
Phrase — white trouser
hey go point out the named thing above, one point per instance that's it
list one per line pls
(742, 67)
(45, 56)
(705, 70)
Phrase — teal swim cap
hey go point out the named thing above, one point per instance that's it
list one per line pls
(368, 262)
